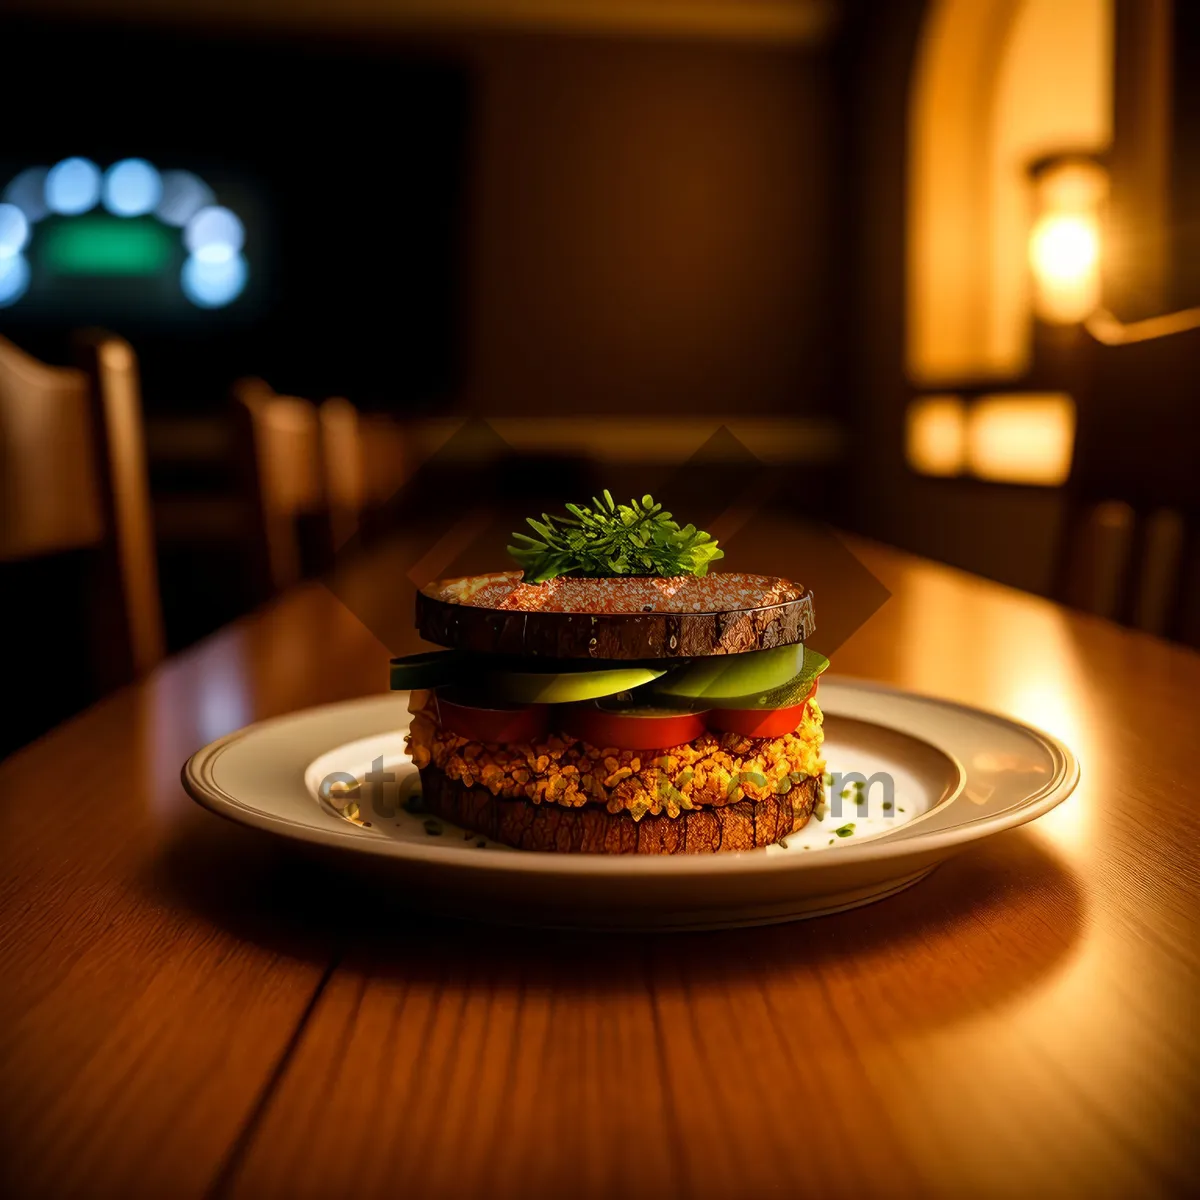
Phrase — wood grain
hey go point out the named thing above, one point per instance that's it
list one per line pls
(188, 1008)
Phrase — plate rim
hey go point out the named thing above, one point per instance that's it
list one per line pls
(200, 784)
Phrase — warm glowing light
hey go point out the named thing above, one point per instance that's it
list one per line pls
(73, 186)
(1025, 438)
(996, 85)
(131, 188)
(935, 435)
(1064, 243)
(1064, 250)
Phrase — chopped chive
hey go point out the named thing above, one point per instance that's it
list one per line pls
(888, 804)
(846, 830)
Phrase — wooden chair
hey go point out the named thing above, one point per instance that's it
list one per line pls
(342, 469)
(366, 459)
(73, 476)
(280, 446)
(390, 455)
(73, 486)
(1131, 542)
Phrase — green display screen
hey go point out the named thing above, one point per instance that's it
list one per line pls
(103, 245)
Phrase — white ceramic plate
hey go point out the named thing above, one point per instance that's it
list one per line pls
(945, 775)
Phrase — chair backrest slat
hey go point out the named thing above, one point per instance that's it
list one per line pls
(49, 491)
(281, 447)
(117, 409)
(73, 475)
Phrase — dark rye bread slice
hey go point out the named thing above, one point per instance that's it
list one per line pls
(592, 829)
(624, 617)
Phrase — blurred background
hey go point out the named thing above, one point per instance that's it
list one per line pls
(279, 279)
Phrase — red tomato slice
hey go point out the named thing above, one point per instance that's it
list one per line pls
(636, 729)
(760, 723)
(497, 725)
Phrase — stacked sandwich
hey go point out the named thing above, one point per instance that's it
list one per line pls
(614, 696)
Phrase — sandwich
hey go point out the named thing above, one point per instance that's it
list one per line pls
(614, 695)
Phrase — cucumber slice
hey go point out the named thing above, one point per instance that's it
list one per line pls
(788, 694)
(728, 676)
(567, 686)
(433, 668)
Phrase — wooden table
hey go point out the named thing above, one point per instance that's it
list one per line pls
(190, 1009)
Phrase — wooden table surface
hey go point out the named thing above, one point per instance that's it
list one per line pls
(187, 1008)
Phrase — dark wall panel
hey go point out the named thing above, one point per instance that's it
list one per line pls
(653, 227)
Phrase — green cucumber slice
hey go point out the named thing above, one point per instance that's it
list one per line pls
(567, 686)
(791, 693)
(433, 668)
(728, 676)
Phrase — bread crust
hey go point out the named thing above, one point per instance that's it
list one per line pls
(592, 829)
(761, 612)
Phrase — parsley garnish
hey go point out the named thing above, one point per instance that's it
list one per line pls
(845, 830)
(607, 538)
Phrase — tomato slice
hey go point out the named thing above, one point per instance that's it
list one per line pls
(631, 728)
(760, 723)
(493, 722)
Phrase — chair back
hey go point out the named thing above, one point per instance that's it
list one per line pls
(1131, 542)
(116, 401)
(342, 468)
(49, 486)
(281, 446)
(73, 475)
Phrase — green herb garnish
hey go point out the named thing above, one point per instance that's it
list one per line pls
(607, 538)
(846, 830)
(433, 828)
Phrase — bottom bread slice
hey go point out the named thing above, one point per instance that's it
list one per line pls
(592, 829)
